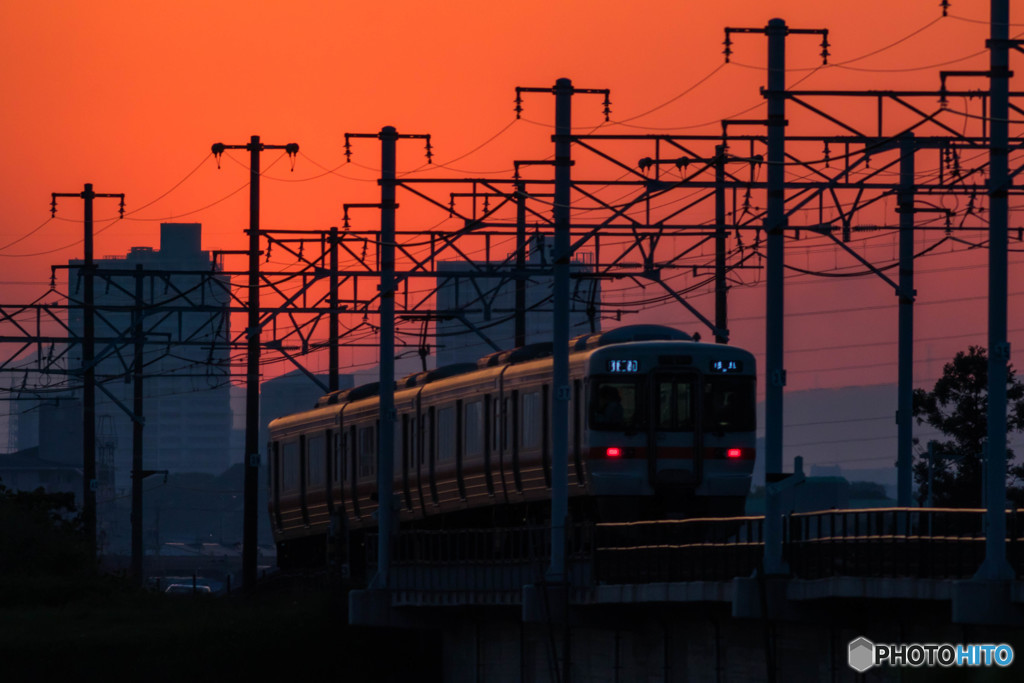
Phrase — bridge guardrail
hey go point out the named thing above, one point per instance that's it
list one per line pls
(939, 543)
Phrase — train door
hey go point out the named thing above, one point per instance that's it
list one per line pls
(275, 482)
(500, 441)
(512, 426)
(431, 443)
(340, 472)
(331, 470)
(418, 453)
(488, 441)
(675, 454)
(407, 456)
(351, 456)
(577, 428)
(303, 479)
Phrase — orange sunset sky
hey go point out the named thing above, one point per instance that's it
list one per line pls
(130, 96)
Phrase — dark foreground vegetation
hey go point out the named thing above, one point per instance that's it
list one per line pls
(103, 630)
(63, 620)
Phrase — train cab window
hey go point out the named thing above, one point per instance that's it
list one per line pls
(531, 429)
(290, 466)
(615, 405)
(316, 459)
(367, 452)
(473, 426)
(446, 434)
(675, 403)
(729, 404)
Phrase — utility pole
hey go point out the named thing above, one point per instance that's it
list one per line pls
(905, 352)
(386, 517)
(89, 481)
(775, 225)
(721, 287)
(561, 257)
(252, 376)
(996, 565)
(137, 426)
(520, 314)
(332, 349)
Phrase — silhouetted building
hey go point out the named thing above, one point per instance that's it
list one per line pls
(186, 403)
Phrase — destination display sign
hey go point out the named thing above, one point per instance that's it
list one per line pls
(623, 365)
(726, 367)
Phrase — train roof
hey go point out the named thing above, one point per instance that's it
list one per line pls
(522, 354)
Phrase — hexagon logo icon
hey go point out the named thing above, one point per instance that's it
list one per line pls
(861, 654)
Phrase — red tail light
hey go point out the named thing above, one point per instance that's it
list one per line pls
(734, 453)
(613, 452)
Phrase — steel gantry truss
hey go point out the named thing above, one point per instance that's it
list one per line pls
(642, 209)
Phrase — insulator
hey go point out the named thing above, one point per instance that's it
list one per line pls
(519, 103)
(348, 150)
(430, 154)
(728, 47)
(824, 48)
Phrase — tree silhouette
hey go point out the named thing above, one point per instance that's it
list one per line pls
(41, 535)
(957, 406)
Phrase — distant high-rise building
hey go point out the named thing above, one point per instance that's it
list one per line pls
(186, 405)
(472, 308)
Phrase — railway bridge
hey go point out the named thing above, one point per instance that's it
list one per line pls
(686, 599)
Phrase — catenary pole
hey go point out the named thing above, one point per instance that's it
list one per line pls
(87, 271)
(905, 352)
(775, 223)
(996, 565)
(250, 523)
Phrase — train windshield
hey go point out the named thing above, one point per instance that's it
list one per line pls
(675, 397)
(616, 405)
(729, 404)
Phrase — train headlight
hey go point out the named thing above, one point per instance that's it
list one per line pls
(613, 452)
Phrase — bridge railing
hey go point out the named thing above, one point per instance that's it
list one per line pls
(700, 549)
(493, 564)
(895, 542)
(449, 566)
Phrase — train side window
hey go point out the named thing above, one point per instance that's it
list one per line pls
(290, 466)
(531, 427)
(729, 404)
(615, 405)
(473, 427)
(446, 434)
(316, 460)
(367, 453)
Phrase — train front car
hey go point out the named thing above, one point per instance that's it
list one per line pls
(671, 428)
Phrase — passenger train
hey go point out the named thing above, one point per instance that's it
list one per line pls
(659, 424)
